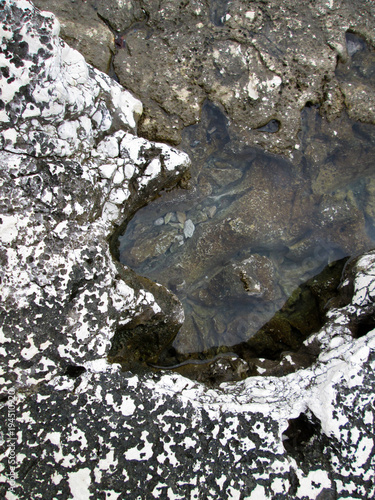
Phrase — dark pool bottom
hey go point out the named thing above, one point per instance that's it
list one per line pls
(277, 348)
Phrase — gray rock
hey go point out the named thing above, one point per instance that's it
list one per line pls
(83, 30)
(159, 221)
(189, 228)
(83, 428)
(257, 65)
(120, 14)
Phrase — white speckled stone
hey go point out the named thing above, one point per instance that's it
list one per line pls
(84, 429)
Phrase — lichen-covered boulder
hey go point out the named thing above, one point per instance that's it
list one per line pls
(83, 30)
(75, 427)
(72, 170)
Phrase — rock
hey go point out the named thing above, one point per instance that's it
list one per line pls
(301, 315)
(83, 30)
(181, 217)
(174, 62)
(67, 135)
(370, 201)
(150, 247)
(65, 299)
(170, 216)
(119, 14)
(355, 79)
(253, 277)
(211, 211)
(159, 221)
(189, 228)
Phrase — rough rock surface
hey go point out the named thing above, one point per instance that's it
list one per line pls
(83, 30)
(260, 62)
(75, 427)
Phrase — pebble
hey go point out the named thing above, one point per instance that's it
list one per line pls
(189, 228)
(159, 221)
(211, 211)
(181, 217)
(168, 217)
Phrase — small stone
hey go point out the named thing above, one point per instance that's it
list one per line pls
(169, 217)
(181, 217)
(201, 217)
(211, 211)
(159, 221)
(189, 228)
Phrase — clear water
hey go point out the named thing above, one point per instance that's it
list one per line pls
(253, 226)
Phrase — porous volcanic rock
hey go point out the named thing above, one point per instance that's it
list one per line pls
(260, 62)
(75, 427)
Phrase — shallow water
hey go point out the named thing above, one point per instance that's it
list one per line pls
(254, 226)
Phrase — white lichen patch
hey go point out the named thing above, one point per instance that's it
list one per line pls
(79, 483)
(142, 451)
(44, 257)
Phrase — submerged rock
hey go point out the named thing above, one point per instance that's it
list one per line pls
(189, 228)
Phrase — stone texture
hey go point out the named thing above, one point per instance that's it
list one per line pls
(73, 169)
(68, 139)
(83, 30)
(260, 64)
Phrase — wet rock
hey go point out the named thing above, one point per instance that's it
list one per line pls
(146, 70)
(370, 201)
(189, 228)
(341, 213)
(159, 221)
(151, 247)
(143, 337)
(211, 211)
(181, 217)
(355, 78)
(253, 277)
(223, 368)
(301, 315)
(170, 217)
(224, 176)
(333, 103)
